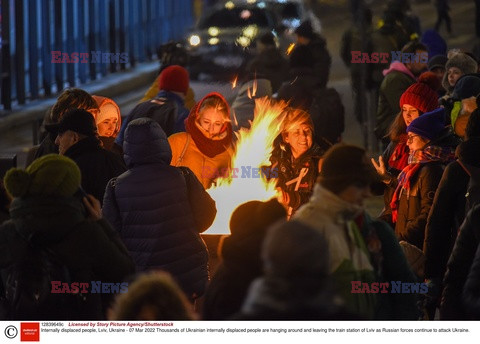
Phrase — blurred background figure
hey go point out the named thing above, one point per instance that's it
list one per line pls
(240, 257)
(318, 45)
(268, 62)
(442, 15)
(295, 284)
(152, 296)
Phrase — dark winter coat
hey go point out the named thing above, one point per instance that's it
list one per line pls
(286, 170)
(305, 91)
(92, 251)
(471, 291)
(458, 266)
(413, 209)
(322, 58)
(97, 165)
(446, 216)
(158, 211)
(164, 110)
(240, 265)
(397, 79)
(269, 64)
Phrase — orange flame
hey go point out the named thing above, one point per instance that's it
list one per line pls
(254, 87)
(235, 121)
(234, 82)
(290, 48)
(245, 182)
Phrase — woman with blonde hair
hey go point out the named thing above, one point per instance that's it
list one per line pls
(296, 159)
(206, 146)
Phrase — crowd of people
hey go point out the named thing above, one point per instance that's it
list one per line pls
(105, 221)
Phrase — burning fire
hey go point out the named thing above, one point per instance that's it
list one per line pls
(234, 82)
(290, 48)
(253, 150)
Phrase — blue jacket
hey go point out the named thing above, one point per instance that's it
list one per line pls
(159, 210)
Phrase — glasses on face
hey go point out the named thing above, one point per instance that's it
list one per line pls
(410, 138)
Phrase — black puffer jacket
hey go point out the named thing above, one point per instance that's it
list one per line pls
(158, 211)
(458, 266)
(92, 251)
(97, 165)
(471, 291)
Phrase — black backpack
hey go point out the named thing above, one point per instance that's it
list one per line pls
(27, 286)
(328, 115)
(162, 110)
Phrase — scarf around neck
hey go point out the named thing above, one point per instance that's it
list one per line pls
(207, 146)
(415, 161)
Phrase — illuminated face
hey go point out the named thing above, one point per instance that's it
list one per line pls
(107, 127)
(300, 139)
(212, 121)
(415, 142)
(409, 113)
(65, 140)
(356, 193)
(453, 75)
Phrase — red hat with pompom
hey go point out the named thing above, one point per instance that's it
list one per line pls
(175, 79)
(422, 95)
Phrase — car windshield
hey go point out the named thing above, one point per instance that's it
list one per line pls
(236, 17)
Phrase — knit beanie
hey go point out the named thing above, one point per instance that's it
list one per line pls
(344, 165)
(437, 61)
(175, 79)
(422, 94)
(429, 125)
(50, 175)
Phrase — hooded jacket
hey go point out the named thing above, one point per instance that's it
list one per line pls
(349, 260)
(154, 211)
(193, 151)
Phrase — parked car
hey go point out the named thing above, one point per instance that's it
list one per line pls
(224, 38)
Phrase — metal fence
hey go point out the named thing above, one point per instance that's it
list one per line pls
(116, 35)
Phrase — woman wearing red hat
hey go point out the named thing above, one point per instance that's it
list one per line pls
(419, 98)
(206, 146)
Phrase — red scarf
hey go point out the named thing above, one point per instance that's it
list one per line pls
(399, 158)
(207, 146)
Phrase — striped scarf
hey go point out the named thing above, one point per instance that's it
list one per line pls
(415, 161)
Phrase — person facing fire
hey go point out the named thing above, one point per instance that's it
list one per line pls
(206, 147)
(296, 159)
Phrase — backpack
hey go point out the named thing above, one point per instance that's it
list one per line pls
(162, 110)
(27, 286)
(328, 115)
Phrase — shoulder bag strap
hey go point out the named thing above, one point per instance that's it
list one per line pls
(180, 158)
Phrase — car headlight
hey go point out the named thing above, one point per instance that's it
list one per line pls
(194, 40)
